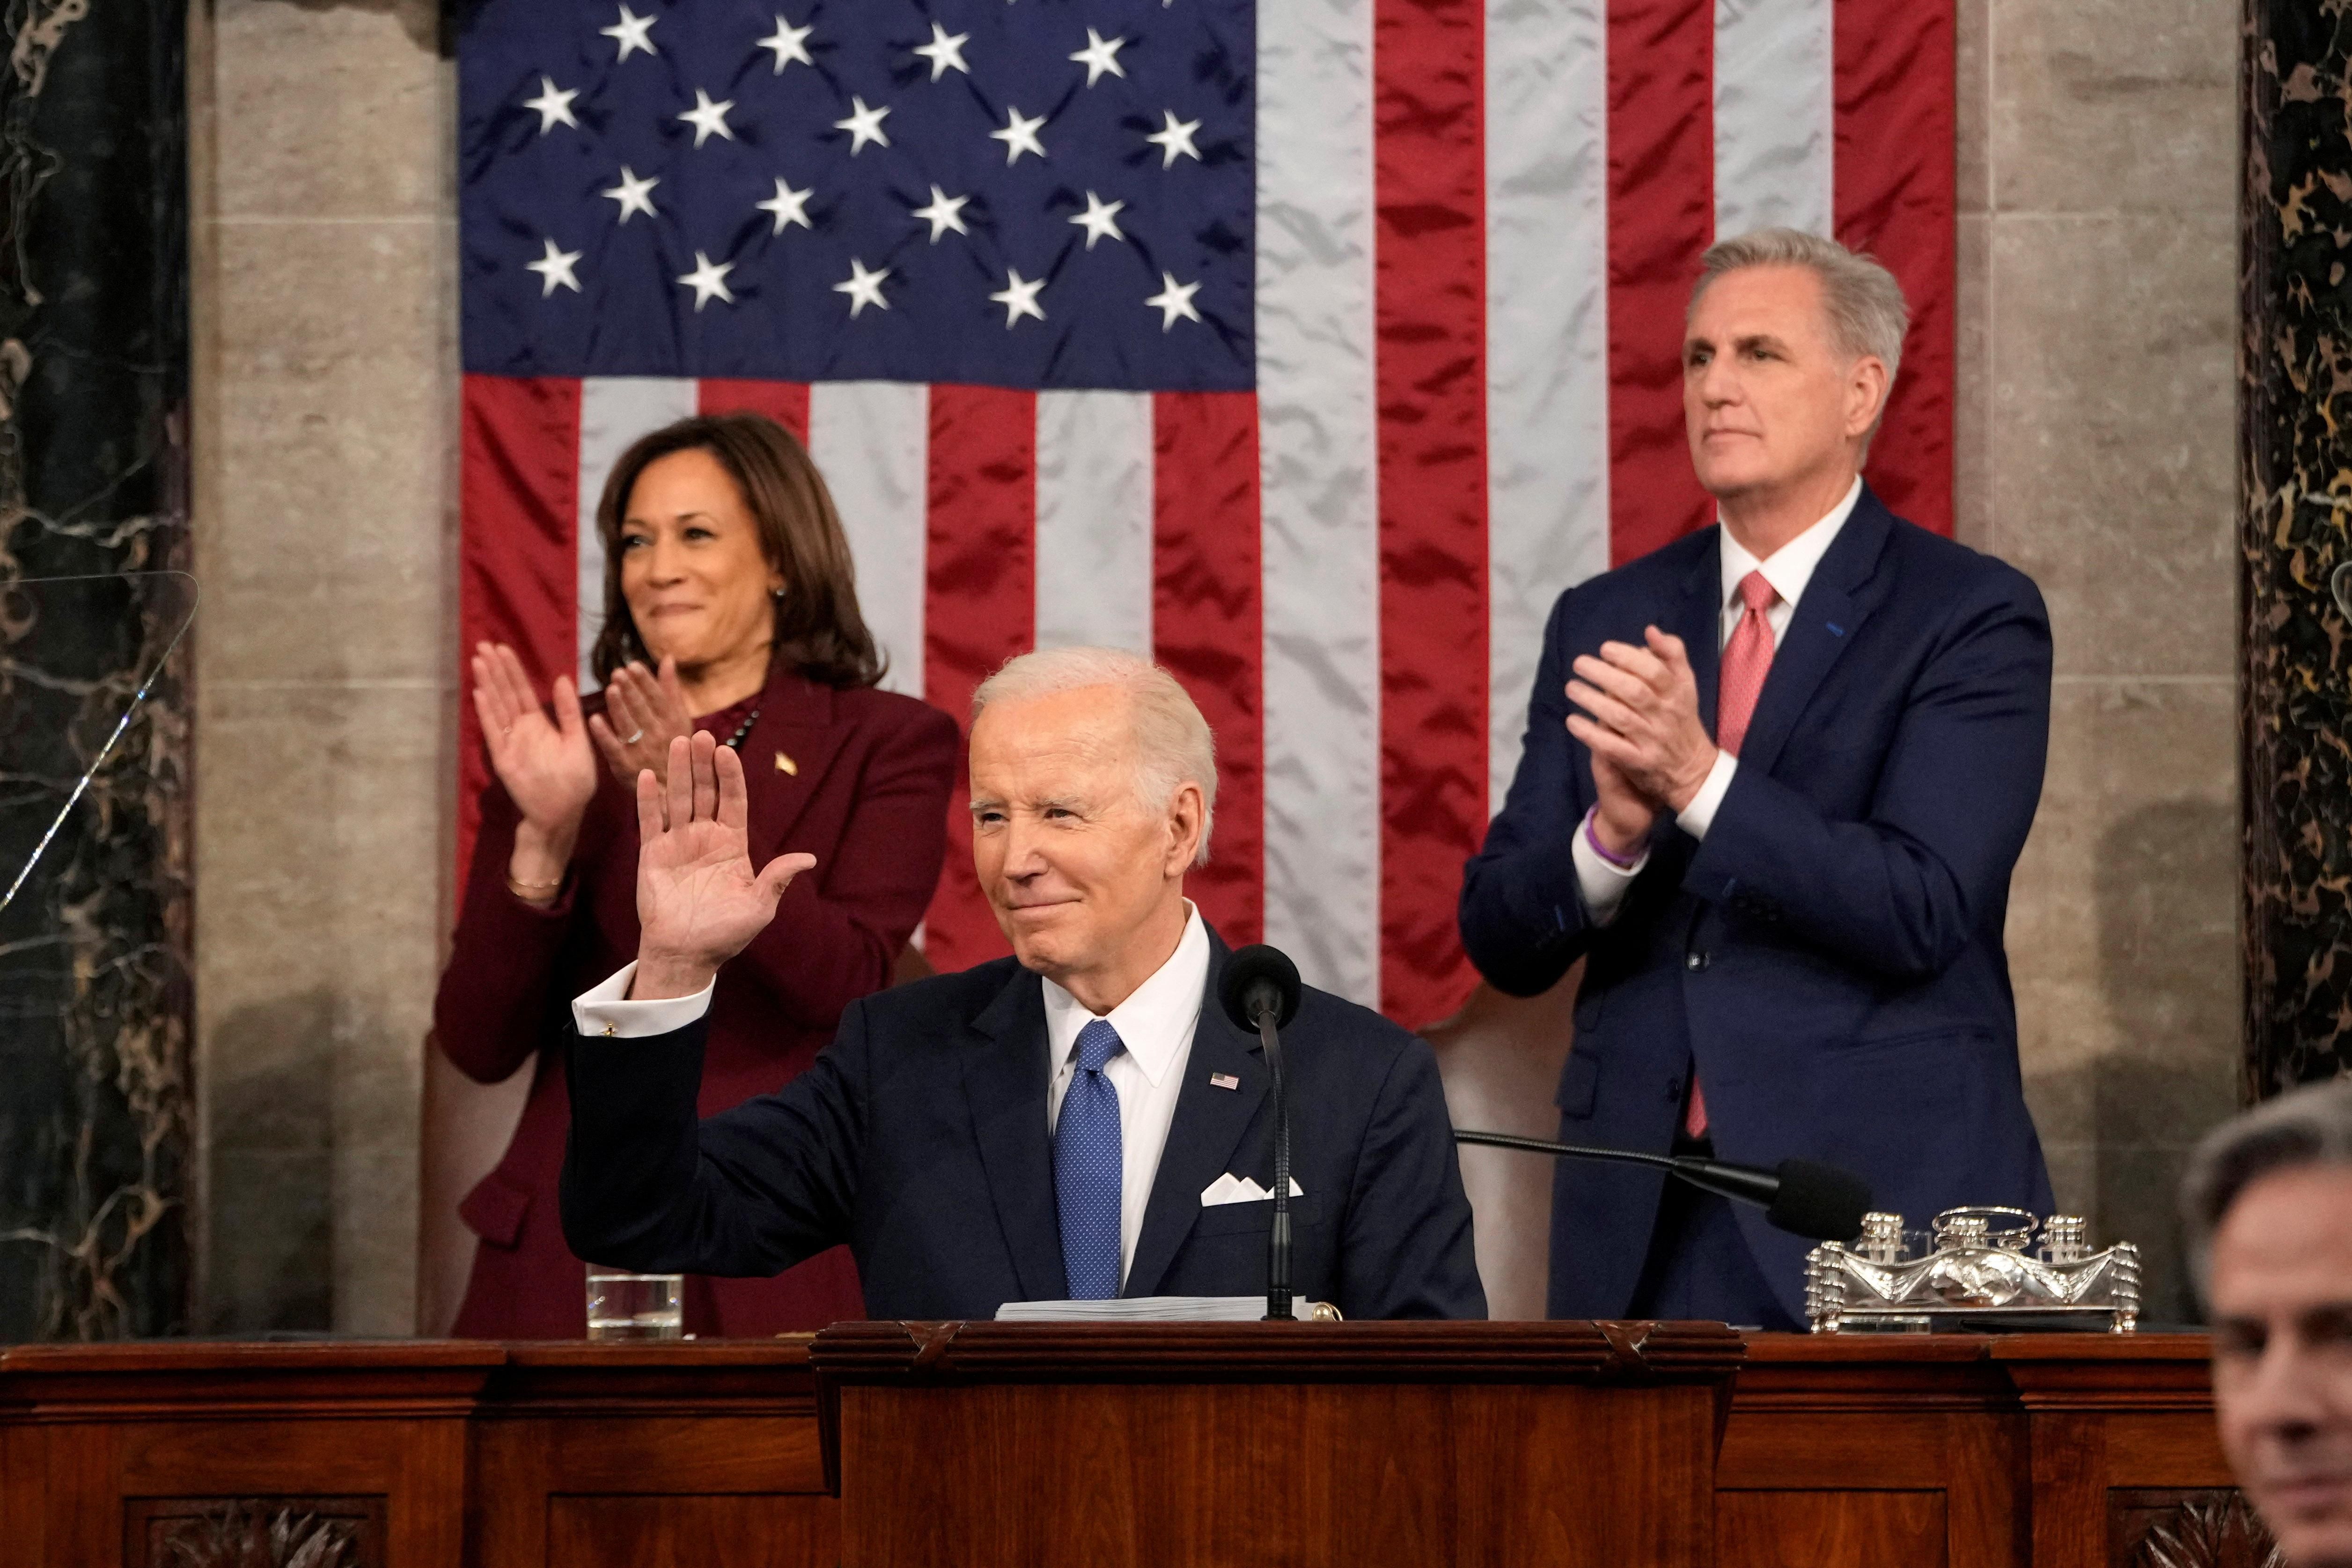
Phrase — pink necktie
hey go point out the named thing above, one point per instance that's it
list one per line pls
(1747, 658)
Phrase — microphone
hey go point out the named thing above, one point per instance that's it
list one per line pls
(1803, 1197)
(1260, 992)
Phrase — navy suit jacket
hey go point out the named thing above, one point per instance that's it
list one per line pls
(919, 1138)
(1830, 956)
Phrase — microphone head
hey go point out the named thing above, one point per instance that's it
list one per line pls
(1819, 1201)
(1259, 979)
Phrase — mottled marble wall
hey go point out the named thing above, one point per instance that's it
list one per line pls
(94, 1003)
(327, 383)
(2296, 369)
(2098, 193)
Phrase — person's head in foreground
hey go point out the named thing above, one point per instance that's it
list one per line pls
(1790, 348)
(1093, 781)
(2268, 1206)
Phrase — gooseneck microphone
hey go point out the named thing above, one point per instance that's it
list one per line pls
(1803, 1197)
(1260, 992)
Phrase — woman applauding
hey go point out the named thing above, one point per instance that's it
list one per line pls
(730, 606)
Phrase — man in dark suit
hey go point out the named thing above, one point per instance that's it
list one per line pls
(1079, 1121)
(1775, 780)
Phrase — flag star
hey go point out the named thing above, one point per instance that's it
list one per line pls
(1173, 300)
(708, 278)
(789, 44)
(1100, 219)
(945, 51)
(943, 214)
(1175, 140)
(634, 196)
(1019, 297)
(553, 105)
(790, 206)
(554, 270)
(709, 119)
(1100, 55)
(863, 287)
(1018, 136)
(633, 32)
(864, 125)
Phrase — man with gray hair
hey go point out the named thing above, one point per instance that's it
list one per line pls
(2267, 1203)
(1080, 1120)
(1775, 778)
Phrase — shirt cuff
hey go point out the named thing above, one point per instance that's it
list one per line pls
(1699, 816)
(1600, 884)
(606, 1012)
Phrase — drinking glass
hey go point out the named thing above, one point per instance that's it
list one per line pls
(635, 1306)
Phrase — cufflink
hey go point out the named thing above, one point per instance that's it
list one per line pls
(606, 1032)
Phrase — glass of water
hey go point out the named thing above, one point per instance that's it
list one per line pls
(635, 1306)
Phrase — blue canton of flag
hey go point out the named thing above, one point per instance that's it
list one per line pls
(1009, 193)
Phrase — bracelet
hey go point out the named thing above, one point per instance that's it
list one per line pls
(526, 891)
(1623, 862)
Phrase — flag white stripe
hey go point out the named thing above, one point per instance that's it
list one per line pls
(614, 410)
(871, 440)
(1775, 103)
(1547, 337)
(1094, 519)
(1319, 496)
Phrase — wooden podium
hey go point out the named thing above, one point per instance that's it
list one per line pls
(1573, 1442)
(1365, 1443)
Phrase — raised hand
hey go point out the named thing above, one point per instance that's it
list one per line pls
(643, 712)
(543, 759)
(699, 900)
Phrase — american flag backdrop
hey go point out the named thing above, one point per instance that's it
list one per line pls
(1310, 346)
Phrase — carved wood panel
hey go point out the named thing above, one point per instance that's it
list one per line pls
(254, 1532)
(2187, 1527)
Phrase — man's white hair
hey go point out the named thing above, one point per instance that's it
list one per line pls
(1172, 742)
(1867, 312)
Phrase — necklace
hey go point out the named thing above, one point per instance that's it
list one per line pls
(735, 741)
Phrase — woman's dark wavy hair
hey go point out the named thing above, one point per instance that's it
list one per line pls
(818, 626)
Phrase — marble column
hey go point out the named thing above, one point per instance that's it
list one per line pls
(2296, 485)
(94, 994)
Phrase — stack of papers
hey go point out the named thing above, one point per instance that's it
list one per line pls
(1146, 1309)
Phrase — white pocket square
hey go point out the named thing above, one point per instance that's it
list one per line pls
(1231, 1189)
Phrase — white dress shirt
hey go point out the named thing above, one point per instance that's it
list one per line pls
(1788, 569)
(1155, 1024)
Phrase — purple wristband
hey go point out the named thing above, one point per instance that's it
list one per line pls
(1623, 862)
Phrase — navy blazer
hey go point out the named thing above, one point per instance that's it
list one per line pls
(919, 1138)
(1831, 956)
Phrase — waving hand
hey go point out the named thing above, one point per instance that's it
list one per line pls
(699, 900)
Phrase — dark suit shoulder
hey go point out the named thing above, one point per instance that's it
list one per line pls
(1657, 579)
(937, 1000)
(1967, 578)
(1334, 1022)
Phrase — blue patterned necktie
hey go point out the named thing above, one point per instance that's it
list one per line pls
(1086, 1168)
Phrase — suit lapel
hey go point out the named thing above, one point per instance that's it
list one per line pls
(797, 724)
(1697, 619)
(1202, 1138)
(1830, 612)
(1004, 1083)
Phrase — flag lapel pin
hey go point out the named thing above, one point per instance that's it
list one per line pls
(784, 764)
(1224, 1081)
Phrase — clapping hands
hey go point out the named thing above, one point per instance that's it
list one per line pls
(645, 711)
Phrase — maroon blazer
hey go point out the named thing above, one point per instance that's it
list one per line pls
(860, 779)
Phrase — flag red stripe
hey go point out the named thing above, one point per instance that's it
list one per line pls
(785, 402)
(517, 566)
(1430, 324)
(1660, 219)
(1207, 627)
(979, 608)
(1896, 191)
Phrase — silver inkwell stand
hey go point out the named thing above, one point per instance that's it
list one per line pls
(1978, 1270)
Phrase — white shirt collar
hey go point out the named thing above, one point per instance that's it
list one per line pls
(1155, 1022)
(1791, 566)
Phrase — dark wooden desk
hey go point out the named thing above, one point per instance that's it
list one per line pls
(1837, 1453)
